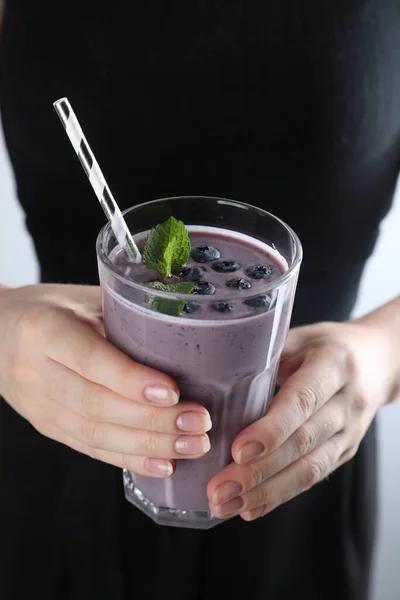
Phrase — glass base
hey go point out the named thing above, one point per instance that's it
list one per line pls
(162, 515)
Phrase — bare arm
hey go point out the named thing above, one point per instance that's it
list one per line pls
(385, 321)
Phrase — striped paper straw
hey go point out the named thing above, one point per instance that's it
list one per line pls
(95, 176)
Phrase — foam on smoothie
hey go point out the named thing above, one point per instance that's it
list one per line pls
(232, 246)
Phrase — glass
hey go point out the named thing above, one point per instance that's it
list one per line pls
(226, 362)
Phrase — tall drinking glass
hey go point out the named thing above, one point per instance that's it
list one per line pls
(222, 348)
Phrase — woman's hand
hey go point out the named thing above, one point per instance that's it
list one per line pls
(59, 372)
(334, 378)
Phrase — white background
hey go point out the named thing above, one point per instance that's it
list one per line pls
(381, 282)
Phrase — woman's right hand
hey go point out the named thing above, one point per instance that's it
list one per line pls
(59, 372)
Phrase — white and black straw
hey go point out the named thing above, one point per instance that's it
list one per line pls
(95, 176)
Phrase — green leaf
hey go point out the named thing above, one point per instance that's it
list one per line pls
(169, 306)
(181, 287)
(167, 247)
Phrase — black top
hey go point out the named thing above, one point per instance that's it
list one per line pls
(292, 106)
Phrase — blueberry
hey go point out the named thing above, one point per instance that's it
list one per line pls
(238, 283)
(260, 271)
(204, 254)
(191, 307)
(204, 289)
(226, 266)
(258, 301)
(192, 273)
(223, 307)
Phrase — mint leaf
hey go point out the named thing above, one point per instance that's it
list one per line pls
(181, 249)
(169, 306)
(181, 287)
(167, 248)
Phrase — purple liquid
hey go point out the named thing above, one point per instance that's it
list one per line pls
(226, 361)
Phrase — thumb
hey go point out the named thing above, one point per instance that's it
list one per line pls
(297, 340)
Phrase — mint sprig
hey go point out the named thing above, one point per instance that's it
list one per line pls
(167, 248)
(169, 306)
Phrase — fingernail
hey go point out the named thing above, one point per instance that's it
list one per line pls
(226, 491)
(161, 394)
(247, 516)
(250, 452)
(195, 422)
(252, 515)
(159, 466)
(232, 507)
(188, 445)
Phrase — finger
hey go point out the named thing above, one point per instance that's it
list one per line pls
(289, 366)
(322, 374)
(299, 337)
(97, 403)
(82, 349)
(326, 422)
(292, 481)
(124, 440)
(151, 467)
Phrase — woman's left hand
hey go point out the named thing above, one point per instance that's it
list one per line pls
(334, 377)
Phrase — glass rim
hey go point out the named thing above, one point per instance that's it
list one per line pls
(262, 289)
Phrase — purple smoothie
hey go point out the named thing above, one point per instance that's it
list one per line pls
(223, 356)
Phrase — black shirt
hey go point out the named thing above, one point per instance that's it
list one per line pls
(290, 106)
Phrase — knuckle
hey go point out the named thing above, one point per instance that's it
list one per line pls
(29, 323)
(361, 402)
(350, 453)
(257, 474)
(125, 461)
(343, 356)
(23, 371)
(91, 433)
(150, 445)
(150, 418)
(330, 428)
(314, 471)
(93, 404)
(261, 495)
(348, 361)
(306, 439)
(278, 434)
(307, 400)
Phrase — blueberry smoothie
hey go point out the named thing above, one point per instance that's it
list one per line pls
(222, 348)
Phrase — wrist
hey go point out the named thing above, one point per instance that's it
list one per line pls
(383, 326)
